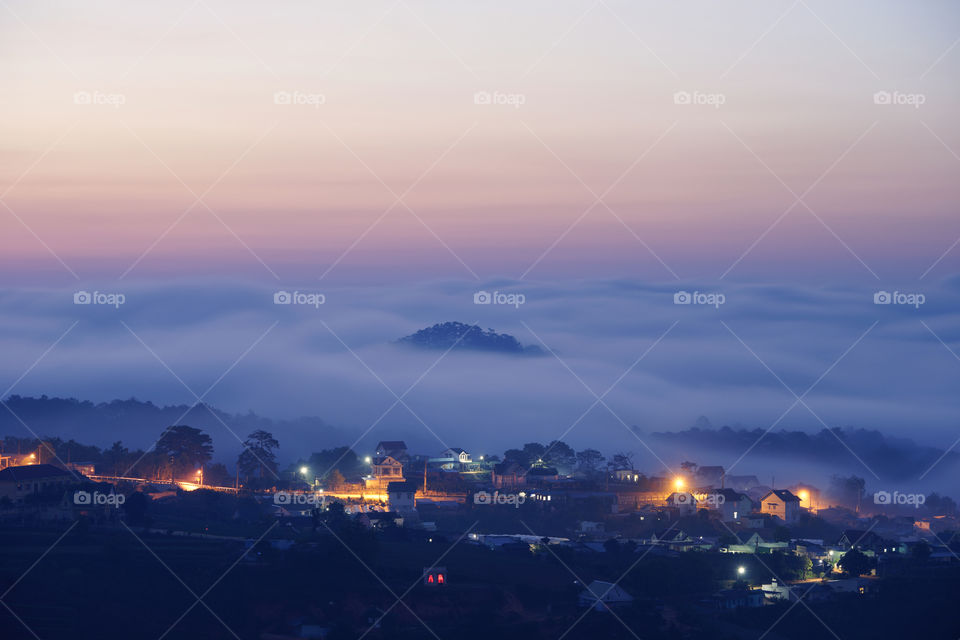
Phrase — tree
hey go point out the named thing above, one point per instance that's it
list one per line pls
(689, 467)
(560, 455)
(848, 490)
(622, 460)
(257, 456)
(855, 563)
(516, 456)
(342, 459)
(217, 475)
(114, 458)
(533, 451)
(184, 448)
(335, 480)
(589, 461)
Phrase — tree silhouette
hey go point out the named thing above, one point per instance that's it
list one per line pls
(258, 456)
(185, 448)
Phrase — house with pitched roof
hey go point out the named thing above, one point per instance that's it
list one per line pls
(384, 470)
(394, 448)
(781, 503)
(16, 483)
(602, 595)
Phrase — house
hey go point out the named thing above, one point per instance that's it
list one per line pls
(602, 595)
(863, 540)
(683, 501)
(668, 536)
(738, 599)
(808, 592)
(587, 526)
(508, 475)
(401, 496)
(709, 477)
(774, 591)
(741, 483)
(386, 469)
(747, 542)
(456, 454)
(454, 458)
(18, 482)
(628, 475)
(781, 503)
(396, 449)
(731, 504)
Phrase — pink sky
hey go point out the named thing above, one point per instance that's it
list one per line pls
(294, 187)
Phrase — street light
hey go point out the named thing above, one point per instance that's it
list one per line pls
(678, 483)
(304, 470)
(368, 460)
(741, 570)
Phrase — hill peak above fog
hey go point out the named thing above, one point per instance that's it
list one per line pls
(461, 336)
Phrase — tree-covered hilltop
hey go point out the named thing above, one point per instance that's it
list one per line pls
(138, 422)
(458, 335)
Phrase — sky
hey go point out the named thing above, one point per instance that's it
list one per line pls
(397, 157)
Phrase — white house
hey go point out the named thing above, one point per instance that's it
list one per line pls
(683, 501)
(455, 454)
(601, 595)
(401, 496)
(731, 504)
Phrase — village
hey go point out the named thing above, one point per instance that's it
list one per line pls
(765, 544)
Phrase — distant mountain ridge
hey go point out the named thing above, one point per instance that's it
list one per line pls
(893, 458)
(139, 423)
(458, 335)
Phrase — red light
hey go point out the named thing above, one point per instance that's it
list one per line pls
(440, 578)
(430, 578)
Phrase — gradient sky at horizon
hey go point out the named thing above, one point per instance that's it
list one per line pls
(492, 187)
